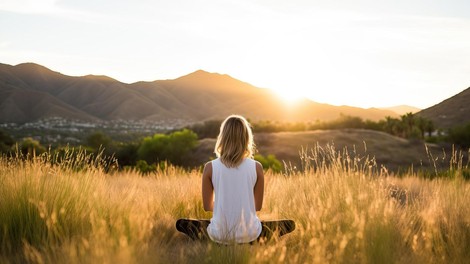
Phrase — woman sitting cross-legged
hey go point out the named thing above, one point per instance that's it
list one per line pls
(233, 189)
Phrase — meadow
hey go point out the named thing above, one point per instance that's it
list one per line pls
(78, 209)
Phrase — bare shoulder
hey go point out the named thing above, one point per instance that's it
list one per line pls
(207, 172)
(259, 167)
(208, 165)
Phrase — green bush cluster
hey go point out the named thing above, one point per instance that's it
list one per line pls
(460, 135)
(269, 162)
(6, 142)
(173, 147)
(146, 154)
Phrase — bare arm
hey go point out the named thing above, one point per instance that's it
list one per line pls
(259, 187)
(207, 188)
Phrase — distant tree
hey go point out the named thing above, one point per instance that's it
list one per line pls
(180, 143)
(143, 167)
(424, 125)
(30, 147)
(415, 133)
(408, 126)
(389, 125)
(408, 122)
(6, 142)
(269, 162)
(346, 121)
(98, 140)
(126, 153)
(173, 147)
(207, 129)
(428, 126)
(266, 126)
(460, 135)
(372, 125)
(153, 148)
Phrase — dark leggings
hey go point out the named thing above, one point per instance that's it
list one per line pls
(197, 228)
(280, 227)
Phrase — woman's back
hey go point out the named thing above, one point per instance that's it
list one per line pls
(238, 183)
(234, 218)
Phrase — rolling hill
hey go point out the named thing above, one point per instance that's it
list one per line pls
(392, 153)
(29, 92)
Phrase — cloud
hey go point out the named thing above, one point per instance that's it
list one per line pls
(29, 6)
(53, 8)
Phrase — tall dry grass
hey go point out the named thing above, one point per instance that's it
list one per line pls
(347, 210)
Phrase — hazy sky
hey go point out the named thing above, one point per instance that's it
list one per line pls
(366, 53)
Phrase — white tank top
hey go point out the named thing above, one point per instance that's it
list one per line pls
(234, 216)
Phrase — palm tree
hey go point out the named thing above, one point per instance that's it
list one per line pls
(408, 122)
(388, 125)
(429, 127)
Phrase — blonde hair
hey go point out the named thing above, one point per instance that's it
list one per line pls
(235, 141)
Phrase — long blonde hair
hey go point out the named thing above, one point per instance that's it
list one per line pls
(235, 141)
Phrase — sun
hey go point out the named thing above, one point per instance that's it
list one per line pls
(288, 97)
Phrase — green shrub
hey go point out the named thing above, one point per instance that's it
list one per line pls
(173, 147)
(269, 162)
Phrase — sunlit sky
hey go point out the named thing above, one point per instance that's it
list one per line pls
(365, 53)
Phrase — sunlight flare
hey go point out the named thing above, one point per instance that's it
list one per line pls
(289, 97)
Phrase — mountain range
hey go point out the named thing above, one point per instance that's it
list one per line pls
(29, 92)
(402, 109)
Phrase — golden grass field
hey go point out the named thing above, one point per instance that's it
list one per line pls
(346, 211)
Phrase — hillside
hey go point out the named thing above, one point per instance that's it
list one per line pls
(394, 153)
(450, 112)
(30, 92)
(402, 109)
